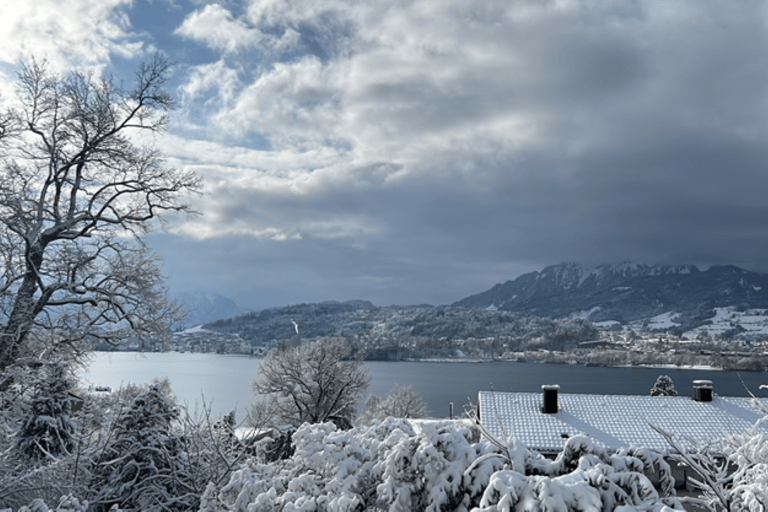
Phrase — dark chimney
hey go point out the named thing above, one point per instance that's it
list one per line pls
(702, 390)
(550, 398)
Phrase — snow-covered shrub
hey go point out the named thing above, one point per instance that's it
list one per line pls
(143, 466)
(663, 387)
(729, 474)
(584, 476)
(48, 429)
(135, 450)
(392, 465)
(443, 465)
(66, 504)
(749, 453)
(211, 449)
(45, 456)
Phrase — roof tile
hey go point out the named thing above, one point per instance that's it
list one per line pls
(615, 421)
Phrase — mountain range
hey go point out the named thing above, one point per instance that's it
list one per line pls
(718, 300)
(201, 307)
(627, 293)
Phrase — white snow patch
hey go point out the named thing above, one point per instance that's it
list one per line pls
(753, 321)
(606, 323)
(585, 314)
(192, 330)
(585, 276)
(659, 322)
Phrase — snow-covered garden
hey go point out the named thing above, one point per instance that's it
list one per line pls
(136, 450)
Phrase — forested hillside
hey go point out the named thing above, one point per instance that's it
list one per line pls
(628, 293)
(379, 327)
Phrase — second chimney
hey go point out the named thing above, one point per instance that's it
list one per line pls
(550, 398)
(702, 390)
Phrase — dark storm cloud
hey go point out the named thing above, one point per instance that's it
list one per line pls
(423, 151)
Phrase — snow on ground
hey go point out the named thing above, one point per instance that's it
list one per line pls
(606, 323)
(662, 322)
(754, 321)
(192, 330)
(585, 314)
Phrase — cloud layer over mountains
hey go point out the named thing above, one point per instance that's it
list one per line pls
(420, 151)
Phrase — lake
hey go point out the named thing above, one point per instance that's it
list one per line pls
(224, 381)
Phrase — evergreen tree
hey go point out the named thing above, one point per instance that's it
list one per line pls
(663, 387)
(144, 467)
(48, 430)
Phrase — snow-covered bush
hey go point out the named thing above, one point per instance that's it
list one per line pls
(749, 483)
(729, 474)
(400, 465)
(143, 466)
(211, 449)
(48, 457)
(584, 476)
(66, 504)
(48, 430)
(663, 387)
(133, 449)
(392, 465)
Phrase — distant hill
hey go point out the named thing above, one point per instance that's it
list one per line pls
(203, 307)
(628, 293)
(362, 320)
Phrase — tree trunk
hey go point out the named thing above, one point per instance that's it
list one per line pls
(25, 309)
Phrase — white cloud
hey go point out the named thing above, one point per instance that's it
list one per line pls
(291, 103)
(66, 33)
(423, 130)
(216, 26)
(208, 88)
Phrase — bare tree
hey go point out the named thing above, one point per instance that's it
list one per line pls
(77, 192)
(401, 402)
(312, 383)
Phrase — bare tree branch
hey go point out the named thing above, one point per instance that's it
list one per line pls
(312, 383)
(76, 194)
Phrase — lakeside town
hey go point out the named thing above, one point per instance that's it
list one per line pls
(598, 347)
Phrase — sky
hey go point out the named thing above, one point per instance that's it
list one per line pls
(420, 151)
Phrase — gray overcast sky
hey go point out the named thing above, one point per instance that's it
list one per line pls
(419, 151)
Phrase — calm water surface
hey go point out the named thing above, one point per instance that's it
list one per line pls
(224, 382)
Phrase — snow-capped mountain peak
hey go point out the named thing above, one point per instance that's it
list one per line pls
(204, 306)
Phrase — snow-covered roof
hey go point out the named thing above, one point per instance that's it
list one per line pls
(614, 421)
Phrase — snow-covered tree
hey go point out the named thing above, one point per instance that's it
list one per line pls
(312, 383)
(663, 387)
(48, 430)
(143, 466)
(400, 402)
(731, 474)
(77, 191)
